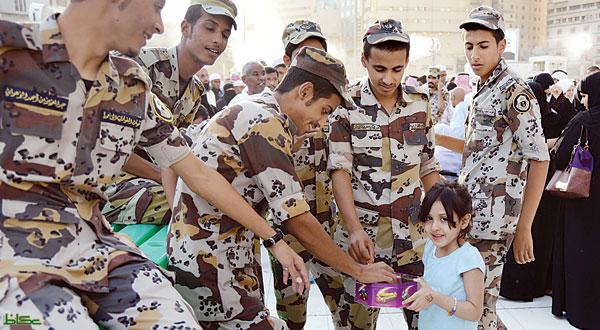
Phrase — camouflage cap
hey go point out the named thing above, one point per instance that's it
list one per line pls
(320, 63)
(298, 31)
(218, 7)
(386, 30)
(433, 71)
(487, 17)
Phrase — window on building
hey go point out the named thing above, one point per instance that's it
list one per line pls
(20, 6)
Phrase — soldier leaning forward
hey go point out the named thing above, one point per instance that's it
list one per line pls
(250, 143)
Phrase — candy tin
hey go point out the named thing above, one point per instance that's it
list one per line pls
(386, 294)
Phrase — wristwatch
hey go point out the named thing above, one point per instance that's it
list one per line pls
(276, 238)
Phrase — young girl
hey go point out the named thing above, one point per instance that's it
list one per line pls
(450, 294)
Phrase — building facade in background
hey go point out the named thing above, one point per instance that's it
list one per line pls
(18, 10)
(574, 32)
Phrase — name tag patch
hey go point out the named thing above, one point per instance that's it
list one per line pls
(122, 119)
(416, 126)
(365, 127)
(35, 99)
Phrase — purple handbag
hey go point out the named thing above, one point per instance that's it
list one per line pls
(574, 182)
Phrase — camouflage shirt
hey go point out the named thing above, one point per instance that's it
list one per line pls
(503, 132)
(434, 101)
(250, 144)
(163, 68)
(62, 145)
(386, 155)
(310, 162)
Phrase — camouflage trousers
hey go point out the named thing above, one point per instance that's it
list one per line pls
(64, 277)
(494, 254)
(292, 307)
(136, 200)
(219, 278)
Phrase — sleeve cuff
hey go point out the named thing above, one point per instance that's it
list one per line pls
(429, 166)
(288, 207)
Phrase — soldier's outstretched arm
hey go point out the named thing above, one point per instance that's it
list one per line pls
(449, 142)
(138, 166)
(212, 186)
(313, 237)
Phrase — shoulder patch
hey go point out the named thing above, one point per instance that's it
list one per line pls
(522, 103)
(161, 110)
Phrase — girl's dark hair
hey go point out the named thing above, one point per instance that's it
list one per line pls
(455, 198)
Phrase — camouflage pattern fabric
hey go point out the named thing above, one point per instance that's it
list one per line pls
(386, 185)
(310, 162)
(504, 132)
(494, 254)
(212, 255)
(58, 158)
(140, 200)
(434, 101)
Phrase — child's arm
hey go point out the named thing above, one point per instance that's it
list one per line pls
(469, 309)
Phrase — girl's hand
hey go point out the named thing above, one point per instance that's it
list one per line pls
(422, 299)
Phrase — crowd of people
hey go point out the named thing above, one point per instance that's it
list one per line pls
(439, 178)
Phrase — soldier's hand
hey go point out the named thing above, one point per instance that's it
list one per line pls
(299, 139)
(377, 272)
(361, 247)
(523, 246)
(293, 267)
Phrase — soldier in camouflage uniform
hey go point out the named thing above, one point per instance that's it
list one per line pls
(139, 198)
(310, 162)
(381, 159)
(68, 122)
(438, 94)
(505, 158)
(211, 254)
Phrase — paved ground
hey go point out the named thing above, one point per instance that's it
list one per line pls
(516, 315)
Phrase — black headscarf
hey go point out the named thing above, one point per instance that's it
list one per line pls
(551, 123)
(590, 85)
(538, 91)
(545, 80)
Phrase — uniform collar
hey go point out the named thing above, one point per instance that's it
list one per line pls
(367, 97)
(500, 68)
(52, 42)
(268, 99)
(172, 55)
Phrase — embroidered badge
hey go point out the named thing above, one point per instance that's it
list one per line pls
(522, 103)
(416, 126)
(161, 110)
(365, 127)
(122, 119)
(35, 99)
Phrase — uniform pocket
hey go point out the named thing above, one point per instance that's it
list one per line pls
(367, 148)
(415, 134)
(116, 137)
(28, 120)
